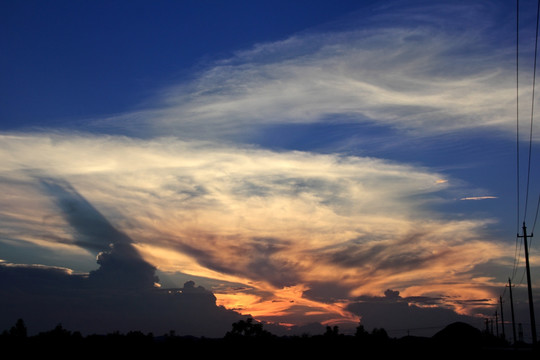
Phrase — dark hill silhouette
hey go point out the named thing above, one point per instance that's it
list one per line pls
(459, 334)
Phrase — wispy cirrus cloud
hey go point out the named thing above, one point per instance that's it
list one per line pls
(397, 69)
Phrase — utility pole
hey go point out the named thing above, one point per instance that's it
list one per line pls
(497, 323)
(512, 309)
(502, 319)
(529, 288)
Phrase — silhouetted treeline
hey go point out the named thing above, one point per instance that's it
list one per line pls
(250, 338)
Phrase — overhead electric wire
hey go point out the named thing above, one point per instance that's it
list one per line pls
(517, 115)
(516, 258)
(517, 254)
(518, 181)
(536, 215)
(525, 236)
(532, 114)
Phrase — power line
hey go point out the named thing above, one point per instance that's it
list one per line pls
(532, 114)
(524, 236)
(516, 257)
(536, 216)
(518, 197)
(529, 161)
(517, 113)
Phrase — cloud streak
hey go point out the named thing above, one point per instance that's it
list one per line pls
(396, 69)
(479, 198)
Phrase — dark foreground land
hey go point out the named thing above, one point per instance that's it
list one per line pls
(248, 340)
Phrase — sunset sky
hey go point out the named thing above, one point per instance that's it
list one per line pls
(308, 163)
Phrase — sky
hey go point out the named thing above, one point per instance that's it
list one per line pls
(180, 165)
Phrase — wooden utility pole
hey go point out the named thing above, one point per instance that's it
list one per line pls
(529, 288)
(512, 309)
(497, 323)
(502, 319)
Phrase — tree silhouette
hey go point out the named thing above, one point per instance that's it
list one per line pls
(379, 335)
(18, 330)
(331, 331)
(361, 333)
(248, 329)
(248, 335)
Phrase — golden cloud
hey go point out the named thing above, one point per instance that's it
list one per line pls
(284, 223)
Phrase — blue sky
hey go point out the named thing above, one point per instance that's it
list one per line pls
(63, 56)
(314, 152)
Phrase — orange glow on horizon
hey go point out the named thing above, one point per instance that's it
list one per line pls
(286, 302)
(289, 305)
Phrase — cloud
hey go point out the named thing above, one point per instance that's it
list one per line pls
(89, 224)
(120, 263)
(396, 314)
(400, 68)
(426, 315)
(478, 198)
(45, 296)
(303, 232)
(118, 296)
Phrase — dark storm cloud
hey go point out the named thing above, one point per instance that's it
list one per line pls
(45, 296)
(122, 266)
(120, 263)
(396, 314)
(119, 295)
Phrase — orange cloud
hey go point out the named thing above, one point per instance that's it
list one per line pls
(305, 232)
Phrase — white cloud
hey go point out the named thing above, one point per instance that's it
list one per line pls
(417, 76)
(250, 185)
(478, 198)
